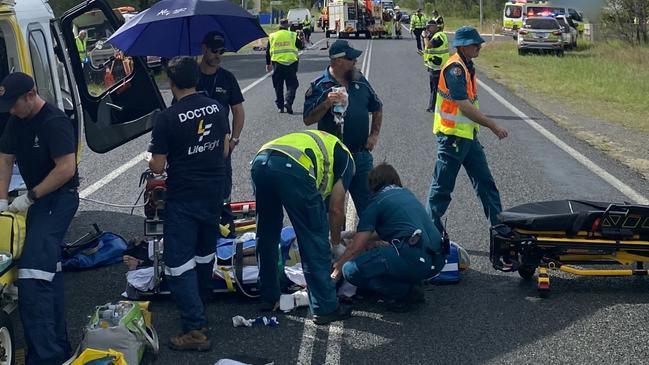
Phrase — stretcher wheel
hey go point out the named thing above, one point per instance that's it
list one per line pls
(7, 345)
(527, 272)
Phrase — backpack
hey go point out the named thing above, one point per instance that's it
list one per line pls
(12, 233)
(457, 260)
(124, 327)
(105, 249)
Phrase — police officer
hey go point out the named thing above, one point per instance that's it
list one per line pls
(41, 138)
(302, 172)
(435, 56)
(356, 133)
(413, 251)
(222, 86)
(81, 41)
(456, 124)
(417, 26)
(282, 51)
(191, 138)
(306, 28)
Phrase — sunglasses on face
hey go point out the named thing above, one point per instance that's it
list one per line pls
(218, 50)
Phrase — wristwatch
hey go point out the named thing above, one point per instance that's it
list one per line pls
(31, 195)
(234, 140)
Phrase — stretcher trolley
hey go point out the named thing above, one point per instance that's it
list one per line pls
(574, 236)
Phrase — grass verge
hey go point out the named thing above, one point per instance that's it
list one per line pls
(606, 80)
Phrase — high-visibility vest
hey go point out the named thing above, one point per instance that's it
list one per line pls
(449, 119)
(322, 144)
(430, 53)
(282, 47)
(81, 47)
(418, 21)
(306, 23)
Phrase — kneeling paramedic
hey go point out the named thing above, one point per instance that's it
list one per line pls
(414, 246)
(191, 138)
(300, 172)
(41, 138)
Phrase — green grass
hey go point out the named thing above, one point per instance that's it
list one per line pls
(606, 80)
(488, 25)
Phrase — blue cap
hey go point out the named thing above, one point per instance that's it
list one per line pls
(467, 36)
(342, 48)
(13, 87)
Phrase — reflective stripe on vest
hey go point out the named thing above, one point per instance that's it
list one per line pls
(441, 52)
(282, 47)
(448, 118)
(294, 145)
(204, 259)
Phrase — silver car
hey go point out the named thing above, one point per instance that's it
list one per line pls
(540, 33)
(568, 31)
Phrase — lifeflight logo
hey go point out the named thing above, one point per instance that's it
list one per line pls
(203, 130)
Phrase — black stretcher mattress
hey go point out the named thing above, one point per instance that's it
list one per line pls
(568, 215)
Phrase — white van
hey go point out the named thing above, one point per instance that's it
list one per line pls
(108, 111)
(296, 17)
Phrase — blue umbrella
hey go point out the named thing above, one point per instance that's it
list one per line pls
(176, 28)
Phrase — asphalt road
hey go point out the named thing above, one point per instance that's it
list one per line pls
(489, 317)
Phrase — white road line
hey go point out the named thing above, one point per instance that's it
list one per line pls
(305, 355)
(333, 343)
(112, 176)
(605, 175)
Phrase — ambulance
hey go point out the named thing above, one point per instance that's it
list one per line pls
(110, 100)
(516, 11)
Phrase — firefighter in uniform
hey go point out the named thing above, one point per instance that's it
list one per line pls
(190, 139)
(414, 252)
(307, 173)
(417, 26)
(456, 124)
(435, 56)
(282, 58)
(41, 139)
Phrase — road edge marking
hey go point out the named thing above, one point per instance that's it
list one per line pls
(625, 189)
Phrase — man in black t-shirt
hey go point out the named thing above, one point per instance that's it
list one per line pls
(222, 86)
(191, 138)
(41, 139)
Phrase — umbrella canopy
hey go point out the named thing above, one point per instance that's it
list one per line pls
(176, 28)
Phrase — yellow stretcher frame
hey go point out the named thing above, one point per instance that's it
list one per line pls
(626, 255)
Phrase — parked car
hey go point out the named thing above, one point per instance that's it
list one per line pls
(569, 31)
(540, 33)
(405, 18)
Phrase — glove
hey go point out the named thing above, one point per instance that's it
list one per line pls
(3, 205)
(20, 204)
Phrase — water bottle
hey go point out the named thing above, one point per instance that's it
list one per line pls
(339, 108)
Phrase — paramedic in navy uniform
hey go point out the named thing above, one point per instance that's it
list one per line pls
(41, 138)
(191, 138)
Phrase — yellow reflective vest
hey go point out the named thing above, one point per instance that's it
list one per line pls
(82, 48)
(440, 54)
(282, 47)
(294, 145)
(449, 119)
(418, 22)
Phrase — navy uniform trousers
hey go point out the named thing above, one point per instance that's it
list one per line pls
(40, 281)
(191, 229)
(285, 74)
(452, 153)
(392, 271)
(280, 182)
